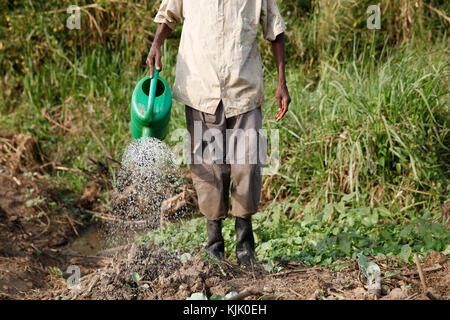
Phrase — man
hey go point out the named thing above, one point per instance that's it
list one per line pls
(220, 80)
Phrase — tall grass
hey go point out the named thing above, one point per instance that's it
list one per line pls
(374, 126)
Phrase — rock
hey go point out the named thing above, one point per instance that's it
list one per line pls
(375, 290)
(385, 290)
(395, 294)
(433, 294)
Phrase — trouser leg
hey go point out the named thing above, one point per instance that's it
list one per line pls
(210, 173)
(248, 151)
(245, 154)
(247, 148)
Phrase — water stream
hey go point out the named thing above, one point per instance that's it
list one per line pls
(148, 175)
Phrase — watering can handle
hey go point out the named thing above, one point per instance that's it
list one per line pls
(151, 94)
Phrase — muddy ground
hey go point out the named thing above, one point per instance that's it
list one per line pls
(38, 225)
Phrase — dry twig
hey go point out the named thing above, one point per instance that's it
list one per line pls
(254, 291)
(419, 268)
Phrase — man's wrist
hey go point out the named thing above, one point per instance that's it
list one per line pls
(281, 74)
(281, 81)
(157, 43)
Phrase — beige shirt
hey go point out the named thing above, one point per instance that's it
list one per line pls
(218, 58)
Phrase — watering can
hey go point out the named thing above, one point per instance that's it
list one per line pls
(150, 107)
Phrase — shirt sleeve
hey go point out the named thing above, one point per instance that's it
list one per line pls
(271, 20)
(170, 12)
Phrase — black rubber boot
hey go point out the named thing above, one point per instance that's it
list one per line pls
(215, 245)
(245, 243)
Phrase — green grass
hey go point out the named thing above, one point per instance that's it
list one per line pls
(340, 230)
(374, 126)
(367, 132)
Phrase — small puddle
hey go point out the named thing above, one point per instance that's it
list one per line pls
(95, 239)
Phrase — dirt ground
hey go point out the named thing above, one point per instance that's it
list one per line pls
(37, 228)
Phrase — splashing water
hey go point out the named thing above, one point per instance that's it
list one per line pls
(148, 175)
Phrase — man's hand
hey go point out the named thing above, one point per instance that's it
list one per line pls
(154, 58)
(282, 95)
(283, 100)
(154, 55)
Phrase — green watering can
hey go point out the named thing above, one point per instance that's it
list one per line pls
(150, 107)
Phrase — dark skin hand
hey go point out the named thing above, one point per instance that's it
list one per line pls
(282, 94)
(154, 55)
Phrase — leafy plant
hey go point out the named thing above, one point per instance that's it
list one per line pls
(339, 230)
(272, 267)
(34, 202)
(136, 278)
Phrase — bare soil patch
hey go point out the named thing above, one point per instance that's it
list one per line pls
(35, 225)
(165, 277)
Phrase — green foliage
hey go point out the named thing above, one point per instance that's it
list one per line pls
(185, 257)
(34, 202)
(136, 278)
(338, 231)
(326, 29)
(272, 267)
(374, 129)
(57, 272)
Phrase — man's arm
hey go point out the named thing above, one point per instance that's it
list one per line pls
(282, 94)
(154, 55)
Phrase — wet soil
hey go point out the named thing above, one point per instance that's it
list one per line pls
(36, 225)
(41, 235)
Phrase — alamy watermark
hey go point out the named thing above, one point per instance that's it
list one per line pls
(232, 146)
(74, 20)
(374, 20)
(74, 280)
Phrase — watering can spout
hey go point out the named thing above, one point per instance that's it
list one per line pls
(151, 104)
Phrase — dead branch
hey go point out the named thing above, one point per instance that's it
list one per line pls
(253, 291)
(429, 269)
(419, 268)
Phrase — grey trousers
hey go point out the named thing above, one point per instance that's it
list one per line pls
(223, 151)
